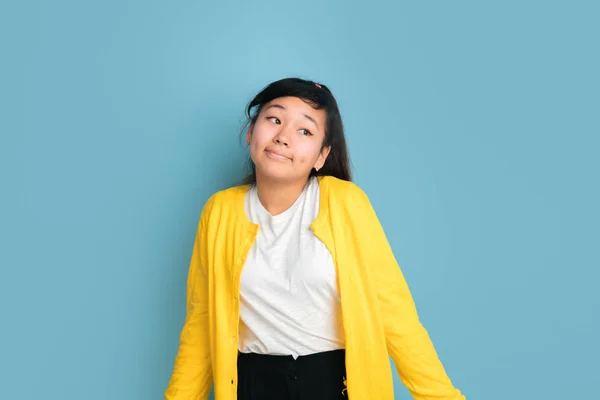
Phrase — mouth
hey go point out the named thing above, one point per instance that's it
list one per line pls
(276, 155)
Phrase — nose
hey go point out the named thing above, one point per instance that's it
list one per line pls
(282, 138)
(281, 142)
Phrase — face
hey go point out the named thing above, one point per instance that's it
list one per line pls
(286, 141)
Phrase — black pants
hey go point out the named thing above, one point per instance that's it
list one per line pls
(319, 376)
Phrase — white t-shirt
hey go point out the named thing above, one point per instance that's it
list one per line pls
(290, 303)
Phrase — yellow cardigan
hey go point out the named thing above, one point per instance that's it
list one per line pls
(378, 311)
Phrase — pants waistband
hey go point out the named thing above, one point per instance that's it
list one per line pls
(326, 357)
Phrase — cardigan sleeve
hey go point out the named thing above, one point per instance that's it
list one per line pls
(408, 343)
(192, 378)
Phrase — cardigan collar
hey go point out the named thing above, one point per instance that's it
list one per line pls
(240, 195)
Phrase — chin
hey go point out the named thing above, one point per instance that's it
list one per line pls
(276, 173)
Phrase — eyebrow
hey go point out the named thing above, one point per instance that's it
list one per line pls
(284, 109)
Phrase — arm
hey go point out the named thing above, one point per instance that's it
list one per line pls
(192, 373)
(407, 340)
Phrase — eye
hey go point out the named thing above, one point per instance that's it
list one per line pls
(274, 120)
(305, 132)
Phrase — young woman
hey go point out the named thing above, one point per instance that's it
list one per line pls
(293, 290)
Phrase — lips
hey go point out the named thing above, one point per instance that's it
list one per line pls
(276, 154)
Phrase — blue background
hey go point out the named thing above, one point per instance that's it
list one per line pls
(473, 127)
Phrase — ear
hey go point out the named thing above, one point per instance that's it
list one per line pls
(249, 134)
(322, 158)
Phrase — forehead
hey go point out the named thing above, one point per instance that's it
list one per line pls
(294, 105)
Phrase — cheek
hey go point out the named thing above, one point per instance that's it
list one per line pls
(257, 139)
(308, 153)
(261, 135)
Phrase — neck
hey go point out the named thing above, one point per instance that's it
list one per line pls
(278, 196)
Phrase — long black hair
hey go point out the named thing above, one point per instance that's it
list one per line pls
(319, 97)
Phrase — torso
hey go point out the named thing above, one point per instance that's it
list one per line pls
(289, 300)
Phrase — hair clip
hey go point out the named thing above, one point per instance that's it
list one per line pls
(317, 85)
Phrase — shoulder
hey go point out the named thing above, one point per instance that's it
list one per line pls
(225, 201)
(345, 192)
(346, 201)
